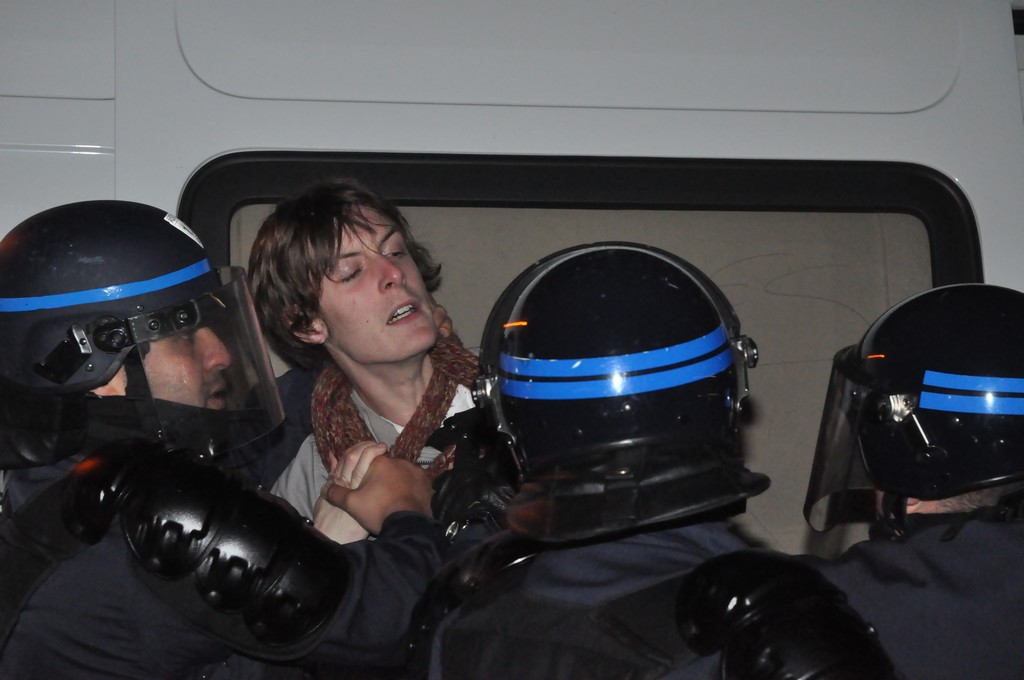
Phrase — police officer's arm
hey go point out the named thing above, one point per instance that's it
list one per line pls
(246, 568)
(389, 574)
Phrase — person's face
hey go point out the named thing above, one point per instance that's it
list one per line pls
(188, 368)
(374, 306)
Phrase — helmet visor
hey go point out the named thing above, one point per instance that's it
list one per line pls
(208, 370)
(839, 489)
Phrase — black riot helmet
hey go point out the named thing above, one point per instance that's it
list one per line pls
(928, 405)
(89, 288)
(616, 370)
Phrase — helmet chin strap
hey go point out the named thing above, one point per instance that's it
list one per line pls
(892, 523)
(137, 391)
(136, 386)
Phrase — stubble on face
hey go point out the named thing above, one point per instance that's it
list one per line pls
(188, 369)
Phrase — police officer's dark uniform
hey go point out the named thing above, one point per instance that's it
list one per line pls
(617, 370)
(928, 405)
(148, 562)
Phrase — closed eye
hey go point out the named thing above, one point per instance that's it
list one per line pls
(350, 277)
(347, 268)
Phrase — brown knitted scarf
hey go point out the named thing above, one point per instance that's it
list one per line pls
(337, 424)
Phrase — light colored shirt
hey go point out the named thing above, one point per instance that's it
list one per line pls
(305, 476)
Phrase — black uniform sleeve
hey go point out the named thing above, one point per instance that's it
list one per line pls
(245, 567)
(389, 576)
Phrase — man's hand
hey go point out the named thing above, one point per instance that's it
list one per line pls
(377, 486)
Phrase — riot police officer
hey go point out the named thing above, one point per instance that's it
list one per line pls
(130, 368)
(923, 432)
(617, 371)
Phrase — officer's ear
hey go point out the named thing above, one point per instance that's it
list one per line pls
(916, 505)
(920, 507)
(117, 387)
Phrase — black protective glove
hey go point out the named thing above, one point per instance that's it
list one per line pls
(481, 481)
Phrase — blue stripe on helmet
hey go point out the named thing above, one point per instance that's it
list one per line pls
(958, 403)
(117, 292)
(623, 363)
(973, 383)
(616, 384)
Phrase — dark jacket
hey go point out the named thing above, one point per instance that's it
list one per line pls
(91, 618)
(946, 601)
(944, 609)
(582, 611)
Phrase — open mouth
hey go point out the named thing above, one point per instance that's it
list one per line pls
(401, 313)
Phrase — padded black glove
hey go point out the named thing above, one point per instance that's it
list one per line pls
(481, 481)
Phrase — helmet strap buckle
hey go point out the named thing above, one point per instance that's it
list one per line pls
(892, 520)
(67, 357)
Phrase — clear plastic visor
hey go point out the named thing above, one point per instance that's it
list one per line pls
(207, 369)
(839, 489)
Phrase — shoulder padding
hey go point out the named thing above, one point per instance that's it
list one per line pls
(774, 617)
(233, 559)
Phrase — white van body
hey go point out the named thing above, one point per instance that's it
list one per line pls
(131, 99)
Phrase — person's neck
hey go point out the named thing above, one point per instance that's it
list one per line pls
(393, 391)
